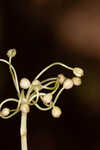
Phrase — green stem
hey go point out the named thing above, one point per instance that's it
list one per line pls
(53, 64)
(23, 131)
(47, 80)
(57, 96)
(15, 74)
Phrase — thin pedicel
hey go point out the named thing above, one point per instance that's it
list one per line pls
(32, 92)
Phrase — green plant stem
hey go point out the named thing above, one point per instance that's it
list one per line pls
(57, 96)
(53, 64)
(23, 131)
(15, 75)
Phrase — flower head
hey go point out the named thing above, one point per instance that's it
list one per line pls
(25, 83)
(68, 84)
(11, 53)
(77, 81)
(61, 78)
(56, 112)
(78, 72)
(47, 91)
(5, 112)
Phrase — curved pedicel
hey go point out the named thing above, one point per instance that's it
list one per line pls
(15, 74)
(13, 111)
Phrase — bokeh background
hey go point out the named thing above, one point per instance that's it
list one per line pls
(45, 31)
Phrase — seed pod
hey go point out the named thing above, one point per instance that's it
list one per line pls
(5, 112)
(25, 83)
(11, 53)
(36, 85)
(56, 112)
(78, 72)
(77, 81)
(68, 84)
(61, 78)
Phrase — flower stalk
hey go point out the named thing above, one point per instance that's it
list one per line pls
(23, 131)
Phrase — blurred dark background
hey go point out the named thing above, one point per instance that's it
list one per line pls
(45, 31)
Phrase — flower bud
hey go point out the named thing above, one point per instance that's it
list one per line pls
(25, 108)
(25, 83)
(68, 84)
(78, 72)
(47, 98)
(11, 53)
(61, 78)
(5, 112)
(56, 112)
(36, 85)
(77, 81)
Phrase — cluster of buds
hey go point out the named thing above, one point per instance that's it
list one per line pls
(67, 82)
(33, 92)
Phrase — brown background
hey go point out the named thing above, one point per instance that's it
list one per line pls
(45, 31)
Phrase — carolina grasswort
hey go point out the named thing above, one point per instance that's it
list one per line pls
(32, 93)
